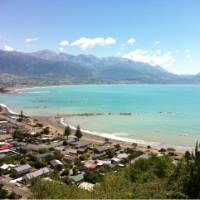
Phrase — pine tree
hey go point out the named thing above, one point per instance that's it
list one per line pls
(78, 133)
(67, 132)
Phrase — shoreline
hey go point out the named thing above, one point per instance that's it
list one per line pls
(155, 146)
(8, 109)
(17, 88)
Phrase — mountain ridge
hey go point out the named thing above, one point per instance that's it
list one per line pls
(61, 67)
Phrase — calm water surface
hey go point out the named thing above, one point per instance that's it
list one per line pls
(167, 114)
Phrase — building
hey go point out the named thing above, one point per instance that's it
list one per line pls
(116, 160)
(21, 170)
(70, 159)
(7, 166)
(122, 155)
(57, 164)
(5, 146)
(86, 186)
(77, 178)
(41, 172)
(80, 144)
(44, 155)
(102, 149)
(103, 162)
(71, 151)
(90, 166)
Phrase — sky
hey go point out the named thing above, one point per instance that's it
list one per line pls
(158, 32)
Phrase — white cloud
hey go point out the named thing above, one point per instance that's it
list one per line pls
(157, 42)
(88, 43)
(187, 53)
(131, 40)
(152, 58)
(8, 48)
(64, 43)
(30, 40)
(61, 49)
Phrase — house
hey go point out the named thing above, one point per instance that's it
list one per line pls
(81, 150)
(86, 186)
(102, 149)
(71, 151)
(54, 144)
(57, 164)
(116, 160)
(21, 170)
(97, 155)
(103, 162)
(86, 162)
(77, 178)
(69, 159)
(3, 131)
(90, 166)
(7, 166)
(32, 147)
(3, 122)
(5, 146)
(122, 155)
(144, 156)
(61, 148)
(80, 144)
(44, 155)
(41, 172)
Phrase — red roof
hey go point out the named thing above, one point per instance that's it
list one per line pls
(5, 146)
(91, 166)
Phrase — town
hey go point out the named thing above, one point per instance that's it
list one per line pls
(30, 150)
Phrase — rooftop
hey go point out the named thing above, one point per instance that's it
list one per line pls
(22, 168)
(37, 173)
(80, 144)
(55, 162)
(86, 186)
(44, 155)
(77, 178)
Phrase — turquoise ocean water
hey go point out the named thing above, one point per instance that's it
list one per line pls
(165, 114)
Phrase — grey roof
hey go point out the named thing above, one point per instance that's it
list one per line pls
(79, 144)
(33, 147)
(22, 168)
(55, 162)
(103, 148)
(44, 155)
(36, 147)
(122, 155)
(69, 158)
(37, 173)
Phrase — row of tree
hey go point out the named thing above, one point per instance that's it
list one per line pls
(68, 132)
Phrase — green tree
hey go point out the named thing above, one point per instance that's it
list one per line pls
(67, 131)
(58, 154)
(57, 190)
(46, 130)
(113, 187)
(192, 186)
(78, 133)
(3, 193)
(134, 145)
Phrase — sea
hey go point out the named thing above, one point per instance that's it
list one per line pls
(163, 115)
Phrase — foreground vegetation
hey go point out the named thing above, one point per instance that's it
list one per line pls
(156, 177)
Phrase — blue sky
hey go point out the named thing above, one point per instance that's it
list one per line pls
(159, 32)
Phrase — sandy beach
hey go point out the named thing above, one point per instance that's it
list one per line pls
(57, 124)
(58, 128)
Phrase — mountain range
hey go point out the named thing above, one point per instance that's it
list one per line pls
(54, 68)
